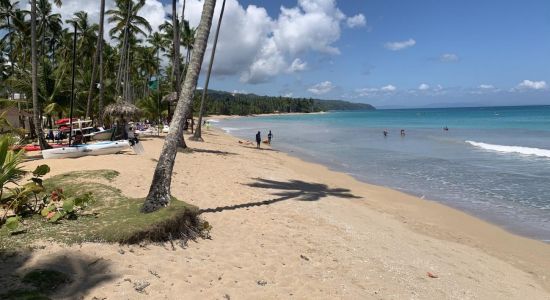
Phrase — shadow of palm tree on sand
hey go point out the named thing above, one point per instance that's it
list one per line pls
(293, 189)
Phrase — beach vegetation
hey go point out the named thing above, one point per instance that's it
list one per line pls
(109, 217)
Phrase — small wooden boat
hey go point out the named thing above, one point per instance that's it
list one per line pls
(101, 148)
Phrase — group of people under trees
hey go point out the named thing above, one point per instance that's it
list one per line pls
(259, 138)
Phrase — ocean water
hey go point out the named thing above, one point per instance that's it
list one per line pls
(493, 162)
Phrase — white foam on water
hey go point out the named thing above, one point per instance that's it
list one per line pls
(512, 149)
(229, 129)
(213, 120)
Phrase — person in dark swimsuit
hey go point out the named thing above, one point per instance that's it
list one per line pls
(258, 139)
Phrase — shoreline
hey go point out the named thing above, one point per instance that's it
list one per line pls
(474, 232)
(493, 219)
(287, 227)
(441, 210)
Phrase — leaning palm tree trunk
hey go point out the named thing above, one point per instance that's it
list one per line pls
(34, 78)
(159, 192)
(100, 51)
(197, 136)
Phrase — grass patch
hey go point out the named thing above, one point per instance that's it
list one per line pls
(111, 217)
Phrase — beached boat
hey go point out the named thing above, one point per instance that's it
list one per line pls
(102, 135)
(101, 148)
(32, 147)
(147, 132)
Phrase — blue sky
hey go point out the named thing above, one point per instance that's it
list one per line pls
(464, 52)
(388, 53)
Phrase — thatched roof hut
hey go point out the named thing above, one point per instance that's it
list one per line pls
(121, 109)
(171, 97)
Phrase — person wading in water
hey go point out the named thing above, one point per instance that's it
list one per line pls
(269, 137)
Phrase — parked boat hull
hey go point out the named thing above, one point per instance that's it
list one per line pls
(102, 148)
(102, 135)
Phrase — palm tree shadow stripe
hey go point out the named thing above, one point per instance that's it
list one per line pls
(293, 189)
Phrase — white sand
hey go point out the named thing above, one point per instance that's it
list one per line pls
(379, 245)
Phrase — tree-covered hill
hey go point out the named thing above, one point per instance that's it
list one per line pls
(225, 103)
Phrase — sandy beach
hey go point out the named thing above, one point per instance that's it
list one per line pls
(285, 228)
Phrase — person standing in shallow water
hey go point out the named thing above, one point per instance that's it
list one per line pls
(269, 137)
(258, 139)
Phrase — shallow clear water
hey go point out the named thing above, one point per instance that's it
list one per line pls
(493, 162)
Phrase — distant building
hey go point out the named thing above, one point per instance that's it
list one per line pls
(17, 118)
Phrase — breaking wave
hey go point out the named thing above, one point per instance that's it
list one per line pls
(512, 149)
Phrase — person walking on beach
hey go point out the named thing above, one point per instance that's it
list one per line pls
(402, 132)
(258, 139)
(385, 133)
(269, 137)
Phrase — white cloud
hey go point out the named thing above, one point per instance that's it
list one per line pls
(252, 44)
(448, 57)
(297, 65)
(288, 95)
(321, 88)
(358, 20)
(532, 85)
(388, 88)
(395, 46)
(486, 86)
(153, 11)
(423, 87)
(370, 91)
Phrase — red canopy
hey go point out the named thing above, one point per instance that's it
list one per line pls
(64, 121)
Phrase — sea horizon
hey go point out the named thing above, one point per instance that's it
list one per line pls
(492, 163)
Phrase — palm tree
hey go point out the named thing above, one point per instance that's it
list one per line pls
(95, 61)
(7, 11)
(101, 70)
(19, 34)
(159, 192)
(187, 40)
(158, 43)
(34, 78)
(127, 25)
(176, 47)
(85, 49)
(197, 135)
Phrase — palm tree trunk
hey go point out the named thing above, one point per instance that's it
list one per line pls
(91, 87)
(34, 78)
(197, 136)
(121, 67)
(159, 192)
(11, 59)
(176, 64)
(176, 45)
(100, 50)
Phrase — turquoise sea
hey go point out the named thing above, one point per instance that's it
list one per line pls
(493, 162)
